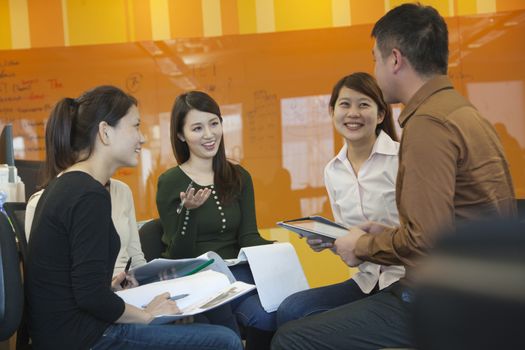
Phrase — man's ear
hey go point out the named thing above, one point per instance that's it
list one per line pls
(397, 60)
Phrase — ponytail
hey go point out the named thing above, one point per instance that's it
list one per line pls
(59, 153)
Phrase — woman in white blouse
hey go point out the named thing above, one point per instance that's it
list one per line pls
(360, 182)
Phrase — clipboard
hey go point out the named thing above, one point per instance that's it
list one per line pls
(316, 227)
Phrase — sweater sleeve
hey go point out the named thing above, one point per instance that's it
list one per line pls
(30, 212)
(180, 230)
(90, 227)
(134, 249)
(248, 233)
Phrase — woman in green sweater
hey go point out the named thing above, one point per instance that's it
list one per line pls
(218, 212)
(207, 203)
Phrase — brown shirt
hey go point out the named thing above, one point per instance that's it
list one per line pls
(451, 168)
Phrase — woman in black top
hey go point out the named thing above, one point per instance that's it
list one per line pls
(73, 245)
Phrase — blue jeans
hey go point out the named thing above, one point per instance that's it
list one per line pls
(248, 308)
(184, 337)
(313, 301)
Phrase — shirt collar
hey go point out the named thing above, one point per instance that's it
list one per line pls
(432, 86)
(341, 156)
(383, 145)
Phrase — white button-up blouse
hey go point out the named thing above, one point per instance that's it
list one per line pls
(367, 196)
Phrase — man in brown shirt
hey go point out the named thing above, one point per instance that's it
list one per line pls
(452, 168)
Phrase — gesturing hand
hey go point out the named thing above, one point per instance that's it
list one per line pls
(194, 200)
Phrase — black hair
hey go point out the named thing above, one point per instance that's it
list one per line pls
(419, 33)
(367, 85)
(226, 176)
(73, 125)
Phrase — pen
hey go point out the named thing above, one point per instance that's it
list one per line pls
(126, 269)
(200, 267)
(181, 205)
(175, 297)
(180, 296)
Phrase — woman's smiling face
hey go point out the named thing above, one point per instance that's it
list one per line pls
(202, 131)
(355, 116)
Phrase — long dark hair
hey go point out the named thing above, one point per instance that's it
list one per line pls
(225, 175)
(367, 85)
(72, 126)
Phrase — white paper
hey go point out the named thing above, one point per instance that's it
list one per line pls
(276, 271)
(201, 288)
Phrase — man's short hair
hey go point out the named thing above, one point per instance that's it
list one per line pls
(419, 32)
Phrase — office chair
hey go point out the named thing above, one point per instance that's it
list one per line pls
(16, 211)
(11, 288)
(150, 235)
(16, 214)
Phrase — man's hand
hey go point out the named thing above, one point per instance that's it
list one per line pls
(373, 228)
(345, 246)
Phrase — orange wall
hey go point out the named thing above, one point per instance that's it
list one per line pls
(50, 23)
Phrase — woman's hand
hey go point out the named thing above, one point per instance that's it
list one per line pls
(162, 305)
(318, 245)
(117, 280)
(194, 200)
(129, 281)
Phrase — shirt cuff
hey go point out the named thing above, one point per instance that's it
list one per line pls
(361, 247)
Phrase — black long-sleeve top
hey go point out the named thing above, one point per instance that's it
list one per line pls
(72, 251)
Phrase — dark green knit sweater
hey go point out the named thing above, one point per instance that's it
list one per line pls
(213, 226)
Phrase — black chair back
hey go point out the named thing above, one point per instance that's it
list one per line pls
(11, 288)
(150, 235)
(16, 211)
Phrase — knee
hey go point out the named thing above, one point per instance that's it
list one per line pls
(227, 339)
(285, 338)
(246, 312)
(289, 310)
